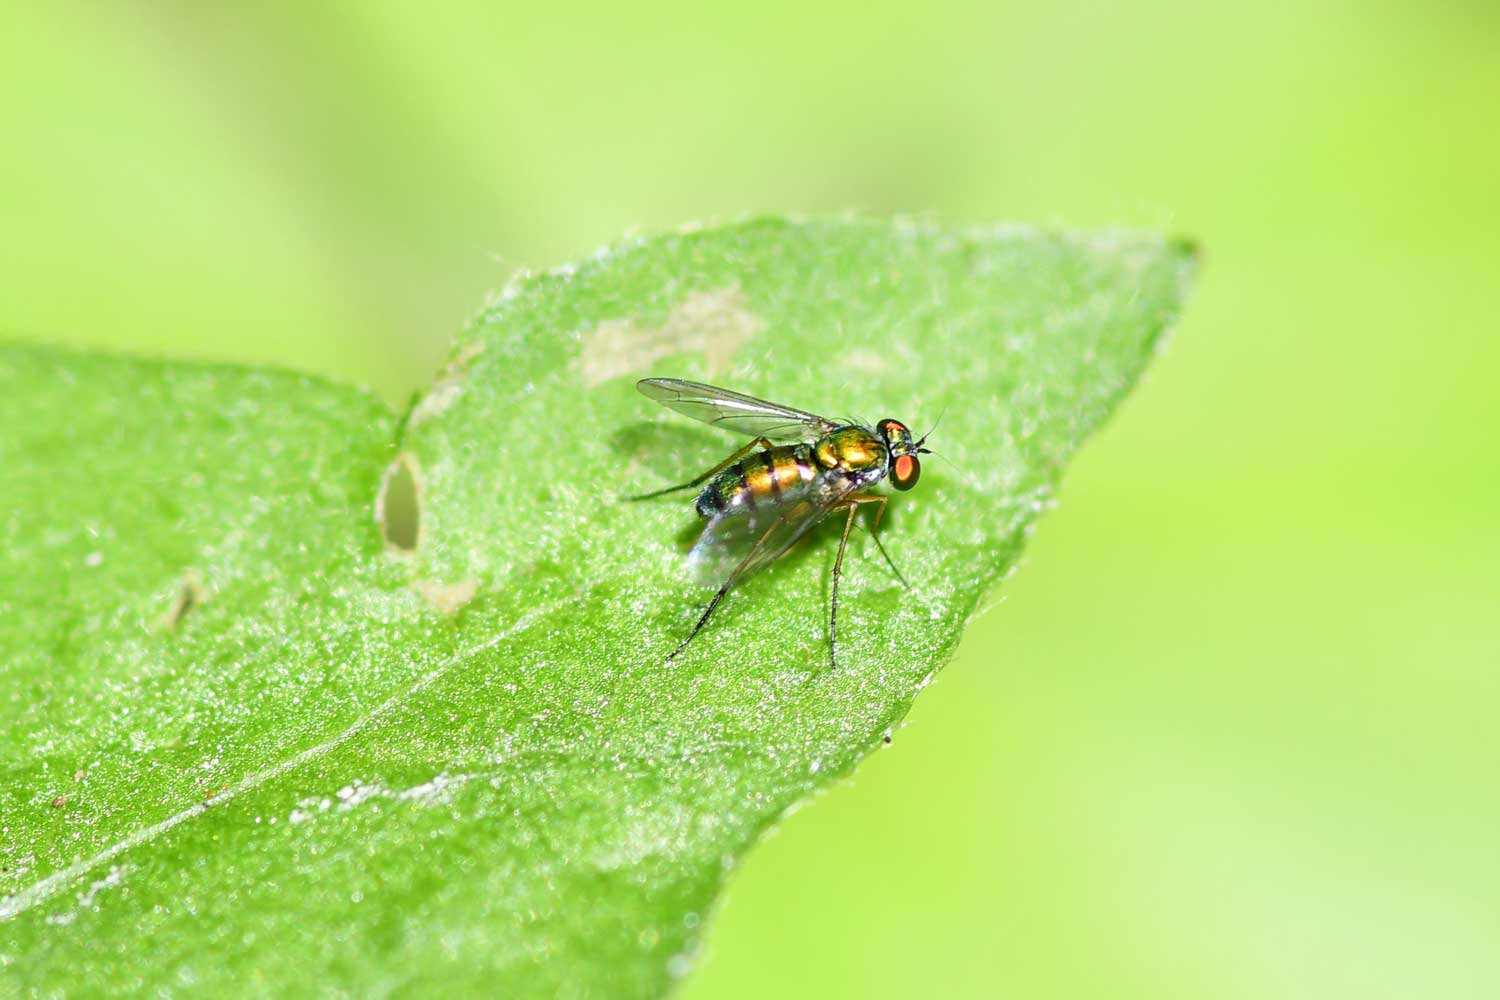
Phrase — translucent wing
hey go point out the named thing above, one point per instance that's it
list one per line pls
(734, 411)
(735, 545)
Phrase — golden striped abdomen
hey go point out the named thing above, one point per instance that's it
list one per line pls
(767, 478)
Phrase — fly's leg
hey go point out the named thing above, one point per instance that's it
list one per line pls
(759, 444)
(701, 621)
(852, 503)
(729, 582)
(875, 534)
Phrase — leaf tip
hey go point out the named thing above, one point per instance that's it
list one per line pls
(1189, 253)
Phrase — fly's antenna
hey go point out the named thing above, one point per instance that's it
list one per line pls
(923, 439)
(951, 464)
(963, 473)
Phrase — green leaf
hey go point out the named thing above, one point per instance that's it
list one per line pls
(263, 730)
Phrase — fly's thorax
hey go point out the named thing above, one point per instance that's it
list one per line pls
(774, 476)
(850, 449)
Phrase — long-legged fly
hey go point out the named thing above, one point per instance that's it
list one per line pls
(799, 468)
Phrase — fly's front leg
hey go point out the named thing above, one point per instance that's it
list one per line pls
(759, 444)
(852, 504)
(879, 511)
(875, 535)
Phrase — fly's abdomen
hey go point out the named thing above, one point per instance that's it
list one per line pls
(765, 479)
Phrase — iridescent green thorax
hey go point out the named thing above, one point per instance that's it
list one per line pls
(850, 449)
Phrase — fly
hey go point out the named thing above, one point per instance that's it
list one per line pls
(799, 468)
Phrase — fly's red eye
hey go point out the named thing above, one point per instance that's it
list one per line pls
(904, 474)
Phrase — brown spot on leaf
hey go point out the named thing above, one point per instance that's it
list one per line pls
(868, 362)
(448, 386)
(714, 324)
(448, 598)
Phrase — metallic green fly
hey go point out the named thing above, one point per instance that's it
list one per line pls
(760, 500)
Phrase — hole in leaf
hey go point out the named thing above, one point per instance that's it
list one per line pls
(398, 509)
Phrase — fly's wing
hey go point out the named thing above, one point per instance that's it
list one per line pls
(735, 545)
(734, 411)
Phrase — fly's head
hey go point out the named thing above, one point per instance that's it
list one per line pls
(902, 449)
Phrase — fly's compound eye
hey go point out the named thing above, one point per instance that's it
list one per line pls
(905, 472)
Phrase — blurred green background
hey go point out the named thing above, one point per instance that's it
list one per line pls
(1232, 732)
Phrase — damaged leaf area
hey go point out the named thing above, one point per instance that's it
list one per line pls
(296, 690)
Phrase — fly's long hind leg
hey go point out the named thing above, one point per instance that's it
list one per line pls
(759, 444)
(701, 621)
(730, 581)
(852, 503)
